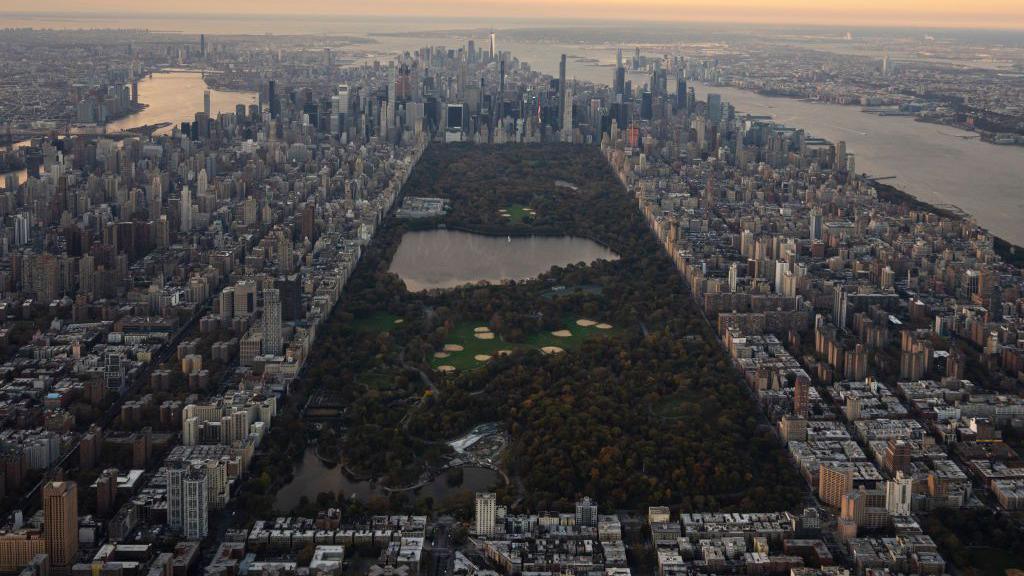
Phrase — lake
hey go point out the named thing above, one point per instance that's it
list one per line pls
(448, 258)
(313, 477)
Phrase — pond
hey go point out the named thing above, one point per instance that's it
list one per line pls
(313, 477)
(448, 258)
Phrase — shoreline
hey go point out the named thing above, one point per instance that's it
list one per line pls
(986, 136)
(1009, 252)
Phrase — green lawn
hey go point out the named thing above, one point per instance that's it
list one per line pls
(463, 335)
(516, 213)
(376, 322)
(579, 334)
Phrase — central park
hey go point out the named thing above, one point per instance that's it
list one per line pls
(598, 370)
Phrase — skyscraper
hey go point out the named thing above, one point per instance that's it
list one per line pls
(680, 91)
(206, 102)
(186, 210)
(561, 93)
(175, 503)
(486, 513)
(271, 321)
(272, 104)
(195, 514)
(187, 499)
(60, 528)
(494, 46)
(815, 223)
(715, 108)
(619, 81)
(155, 198)
(566, 120)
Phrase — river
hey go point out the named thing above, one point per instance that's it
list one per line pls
(173, 96)
(448, 258)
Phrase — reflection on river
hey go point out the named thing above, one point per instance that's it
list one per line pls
(312, 477)
(175, 97)
(449, 258)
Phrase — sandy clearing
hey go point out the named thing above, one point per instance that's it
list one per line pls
(440, 355)
(485, 335)
(446, 368)
(453, 348)
(481, 357)
(603, 326)
(561, 334)
(399, 321)
(504, 352)
(551, 350)
(585, 323)
(480, 329)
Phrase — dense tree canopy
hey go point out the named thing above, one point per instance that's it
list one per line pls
(653, 414)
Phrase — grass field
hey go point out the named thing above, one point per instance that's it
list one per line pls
(376, 322)
(464, 335)
(516, 213)
(579, 334)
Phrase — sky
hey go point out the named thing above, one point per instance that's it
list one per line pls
(1000, 14)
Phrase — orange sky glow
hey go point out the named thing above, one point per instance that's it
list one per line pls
(930, 13)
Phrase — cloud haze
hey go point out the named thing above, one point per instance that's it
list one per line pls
(945, 13)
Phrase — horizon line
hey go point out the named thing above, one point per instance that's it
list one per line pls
(562, 20)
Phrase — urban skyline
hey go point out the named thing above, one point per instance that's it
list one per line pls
(604, 301)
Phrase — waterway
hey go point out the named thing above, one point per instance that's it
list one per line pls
(173, 96)
(312, 477)
(448, 258)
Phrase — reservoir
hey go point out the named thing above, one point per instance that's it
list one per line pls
(448, 258)
(313, 477)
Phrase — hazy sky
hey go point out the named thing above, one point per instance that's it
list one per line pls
(944, 13)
